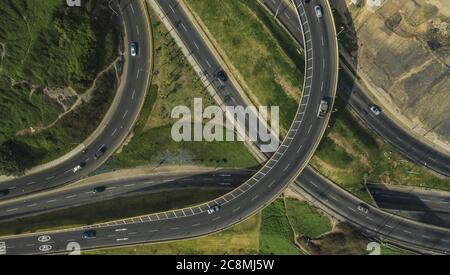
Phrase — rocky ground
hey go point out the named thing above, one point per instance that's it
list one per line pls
(401, 48)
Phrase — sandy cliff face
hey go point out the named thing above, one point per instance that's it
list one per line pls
(403, 54)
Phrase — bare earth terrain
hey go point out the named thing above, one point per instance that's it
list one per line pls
(403, 56)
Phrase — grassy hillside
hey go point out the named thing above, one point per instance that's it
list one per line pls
(49, 56)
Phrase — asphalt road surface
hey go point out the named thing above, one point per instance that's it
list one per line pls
(58, 199)
(118, 127)
(399, 137)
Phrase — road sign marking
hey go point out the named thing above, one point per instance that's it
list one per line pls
(2, 248)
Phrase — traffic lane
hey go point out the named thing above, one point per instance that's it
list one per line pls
(122, 120)
(119, 188)
(376, 222)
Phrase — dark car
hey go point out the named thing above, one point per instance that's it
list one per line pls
(100, 152)
(4, 192)
(90, 234)
(99, 189)
(222, 75)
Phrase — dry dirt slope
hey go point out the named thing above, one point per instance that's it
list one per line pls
(403, 54)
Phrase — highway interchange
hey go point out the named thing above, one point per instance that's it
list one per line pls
(265, 185)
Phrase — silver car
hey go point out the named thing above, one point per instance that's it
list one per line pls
(318, 10)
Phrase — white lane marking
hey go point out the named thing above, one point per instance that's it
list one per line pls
(216, 218)
(132, 8)
(170, 6)
(71, 197)
(129, 185)
(2, 248)
(195, 225)
(31, 183)
(114, 133)
(50, 201)
(137, 29)
(12, 187)
(184, 27)
(125, 114)
(195, 44)
(123, 239)
(12, 210)
(134, 92)
(207, 63)
(137, 74)
(32, 205)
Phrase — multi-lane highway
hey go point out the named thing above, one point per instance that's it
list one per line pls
(120, 123)
(156, 182)
(352, 93)
(288, 161)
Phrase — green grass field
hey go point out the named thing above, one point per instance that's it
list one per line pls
(257, 49)
(306, 220)
(45, 45)
(277, 237)
(174, 83)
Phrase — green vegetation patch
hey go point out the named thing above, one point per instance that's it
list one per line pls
(277, 237)
(50, 55)
(306, 220)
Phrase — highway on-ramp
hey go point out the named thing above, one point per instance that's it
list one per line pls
(118, 126)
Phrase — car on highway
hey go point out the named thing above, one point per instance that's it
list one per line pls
(318, 10)
(213, 209)
(363, 208)
(99, 189)
(90, 234)
(76, 168)
(4, 192)
(375, 110)
(134, 49)
(100, 152)
(324, 107)
(222, 75)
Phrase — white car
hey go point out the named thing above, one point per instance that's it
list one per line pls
(375, 109)
(76, 168)
(213, 209)
(323, 108)
(318, 10)
(133, 49)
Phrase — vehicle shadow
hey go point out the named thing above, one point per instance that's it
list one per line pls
(408, 205)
